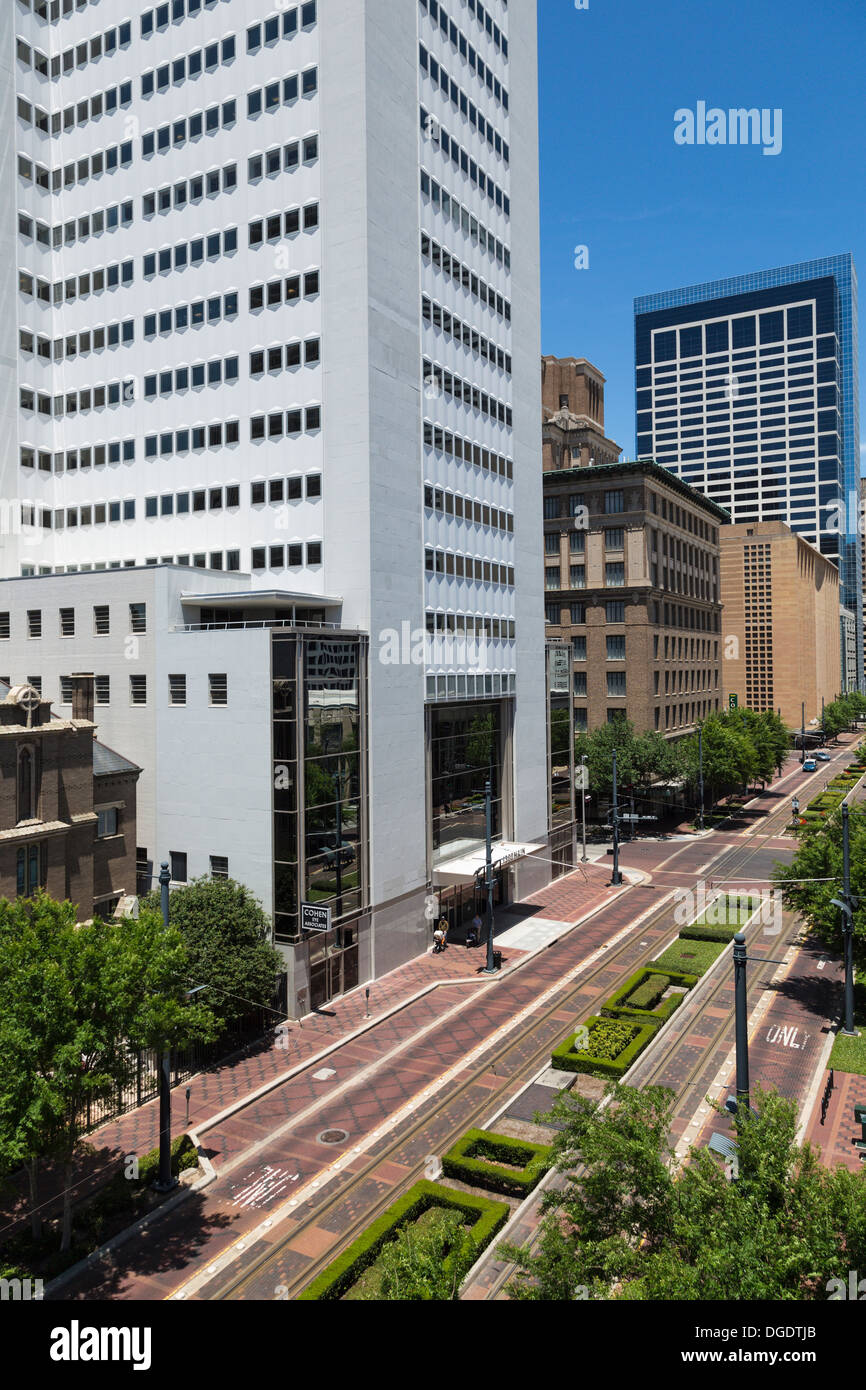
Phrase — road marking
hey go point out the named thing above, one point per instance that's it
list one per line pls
(264, 1188)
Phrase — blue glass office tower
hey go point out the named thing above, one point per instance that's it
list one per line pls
(748, 390)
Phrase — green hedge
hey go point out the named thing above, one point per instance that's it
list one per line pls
(473, 1159)
(566, 1059)
(705, 933)
(487, 1218)
(639, 998)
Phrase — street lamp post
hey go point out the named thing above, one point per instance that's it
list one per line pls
(701, 772)
(490, 968)
(847, 906)
(742, 1021)
(583, 789)
(165, 1181)
(803, 733)
(616, 876)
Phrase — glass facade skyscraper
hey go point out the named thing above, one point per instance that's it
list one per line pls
(747, 388)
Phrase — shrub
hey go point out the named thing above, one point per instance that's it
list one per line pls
(704, 933)
(473, 1159)
(639, 998)
(648, 994)
(484, 1217)
(632, 1039)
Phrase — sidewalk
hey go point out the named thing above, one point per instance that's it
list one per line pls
(790, 1036)
(835, 1137)
(233, 1083)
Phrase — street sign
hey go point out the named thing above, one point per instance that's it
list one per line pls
(315, 918)
(733, 701)
(581, 778)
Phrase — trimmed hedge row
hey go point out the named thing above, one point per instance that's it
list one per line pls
(473, 1159)
(705, 933)
(488, 1218)
(566, 1059)
(639, 998)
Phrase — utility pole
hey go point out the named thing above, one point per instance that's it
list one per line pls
(847, 905)
(616, 876)
(490, 968)
(803, 733)
(742, 1022)
(165, 1181)
(701, 771)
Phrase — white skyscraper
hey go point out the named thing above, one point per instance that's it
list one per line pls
(274, 271)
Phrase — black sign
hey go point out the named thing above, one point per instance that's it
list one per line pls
(314, 918)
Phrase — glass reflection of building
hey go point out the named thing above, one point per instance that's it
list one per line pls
(319, 751)
(466, 753)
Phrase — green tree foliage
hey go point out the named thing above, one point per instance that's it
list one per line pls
(426, 1262)
(814, 878)
(227, 937)
(730, 755)
(479, 744)
(739, 748)
(842, 713)
(75, 1002)
(630, 1225)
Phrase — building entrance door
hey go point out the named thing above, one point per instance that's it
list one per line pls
(334, 967)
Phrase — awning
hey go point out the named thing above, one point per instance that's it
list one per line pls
(468, 867)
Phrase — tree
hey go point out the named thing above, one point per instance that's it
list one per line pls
(814, 877)
(632, 1225)
(729, 754)
(428, 1263)
(479, 744)
(75, 1000)
(598, 747)
(227, 938)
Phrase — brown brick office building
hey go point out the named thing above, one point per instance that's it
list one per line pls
(67, 804)
(631, 571)
(781, 621)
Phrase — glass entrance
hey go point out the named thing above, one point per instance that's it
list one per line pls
(334, 966)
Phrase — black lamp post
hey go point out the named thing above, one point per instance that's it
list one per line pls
(490, 968)
(701, 772)
(616, 876)
(166, 1181)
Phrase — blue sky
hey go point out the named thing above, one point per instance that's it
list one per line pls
(654, 214)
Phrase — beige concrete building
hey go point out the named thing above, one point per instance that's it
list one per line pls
(780, 600)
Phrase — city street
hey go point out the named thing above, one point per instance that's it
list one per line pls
(309, 1139)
